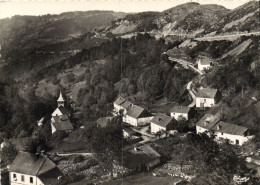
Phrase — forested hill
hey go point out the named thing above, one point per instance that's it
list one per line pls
(192, 19)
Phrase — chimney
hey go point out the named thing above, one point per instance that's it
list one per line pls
(159, 119)
(59, 178)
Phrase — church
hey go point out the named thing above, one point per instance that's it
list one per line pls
(60, 117)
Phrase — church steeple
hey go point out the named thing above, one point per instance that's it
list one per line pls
(60, 100)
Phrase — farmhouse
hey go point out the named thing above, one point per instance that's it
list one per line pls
(142, 158)
(60, 117)
(207, 97)
(137, 116)
(180, 112)
(222, 130)
(235, 134)
(121, 104)
(33, 169)
(162, 122)
(204, 64)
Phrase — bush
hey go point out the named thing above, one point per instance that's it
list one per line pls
(76, 159)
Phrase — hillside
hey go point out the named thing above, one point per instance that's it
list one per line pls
(192, 19)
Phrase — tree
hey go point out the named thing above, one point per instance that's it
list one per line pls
(107, 143)
(8, 154)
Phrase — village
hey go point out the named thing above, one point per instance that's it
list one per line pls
(141, 128)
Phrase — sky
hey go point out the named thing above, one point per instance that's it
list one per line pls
(41, 7)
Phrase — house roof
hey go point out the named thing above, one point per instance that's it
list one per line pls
(60, 99)
(30, 164)
(41, 120)
(204, 61)
(229, 128)
(102, 122)
(126, 104)
(138, 112)
(180, 109)
(129, 131)
(144, 155)
(51, 177)
(119, 101)
(162, 120)
(62, 123)
(208, 121)
(206, 93)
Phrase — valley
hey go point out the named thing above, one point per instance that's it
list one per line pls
(167, 97)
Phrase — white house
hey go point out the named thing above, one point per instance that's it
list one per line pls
(207, 97)
(180, 112)
(137, 116)
(204, 64)
(162, 122)
(60, 117)
(121, 104)
(33, 169)
(235, 134)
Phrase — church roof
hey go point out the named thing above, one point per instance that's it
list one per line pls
(62, 123)
(60, 99)
(63, 110)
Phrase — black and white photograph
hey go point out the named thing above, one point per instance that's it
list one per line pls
(130, 92)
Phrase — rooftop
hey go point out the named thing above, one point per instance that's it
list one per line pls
(208, 121)
(138, 112)
(129, 131)
(205, 61)
(62, 123)
(60, 99)
(143, 155)
(162, 120)
(229, 128)
(206, 93)
(180, 109)
(30, 164)
(119, 101)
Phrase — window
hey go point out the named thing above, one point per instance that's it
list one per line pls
(14, 177)
(22, 178)
(31, 179)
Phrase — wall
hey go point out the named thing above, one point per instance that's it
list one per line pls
(178, 116)
(26, 179)
(130, 120)
(57, 112)
(202, 67)
(232, 138)
(156, 128)
(53, 129)
(143, 121)
(200, 129)
(209, 102)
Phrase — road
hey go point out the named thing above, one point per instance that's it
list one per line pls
(224, 37)
(146, 137)
(186, 64)
(192, 95)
